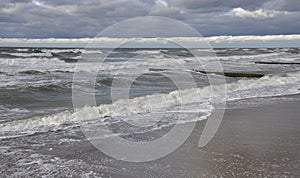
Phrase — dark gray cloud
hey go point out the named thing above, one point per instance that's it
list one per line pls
(85, 18)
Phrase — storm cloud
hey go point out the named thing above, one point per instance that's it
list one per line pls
(85, 18)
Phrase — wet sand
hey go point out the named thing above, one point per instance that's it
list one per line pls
(253, 142)
(259, 141)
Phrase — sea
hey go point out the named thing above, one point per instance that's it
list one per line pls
(39, 126)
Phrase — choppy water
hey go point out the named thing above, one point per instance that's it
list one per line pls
(36, 110)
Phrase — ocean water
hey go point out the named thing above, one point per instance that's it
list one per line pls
(36, 109)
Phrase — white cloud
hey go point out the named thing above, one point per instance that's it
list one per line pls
(162, 8)
(161, 3)
(257, 14)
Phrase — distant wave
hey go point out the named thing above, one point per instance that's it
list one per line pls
(82, 42)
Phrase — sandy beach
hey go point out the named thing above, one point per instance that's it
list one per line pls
(261, 141)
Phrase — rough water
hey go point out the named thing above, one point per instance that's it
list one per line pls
(36, 110)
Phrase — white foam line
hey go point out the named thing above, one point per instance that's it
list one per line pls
(106, 39)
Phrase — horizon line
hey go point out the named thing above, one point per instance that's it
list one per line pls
(222, 41)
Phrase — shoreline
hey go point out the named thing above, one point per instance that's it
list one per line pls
(258, 141)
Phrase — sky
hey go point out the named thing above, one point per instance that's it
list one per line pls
(86, 18)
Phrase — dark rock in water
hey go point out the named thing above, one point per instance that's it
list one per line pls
(61, 71)
(157, 70)
(70, 60)
(32, 72)
(233, 74)
(69, 54)
(179, 53)
(2, 72)
(280, 63)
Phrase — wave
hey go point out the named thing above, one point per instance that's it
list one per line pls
(49, 53)
(67, 53)
(16, 65)
(8, 112)
(40, 72)
(27, 55)
(267, 86)
(52, 87)
(32, 72)
(32, 61)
